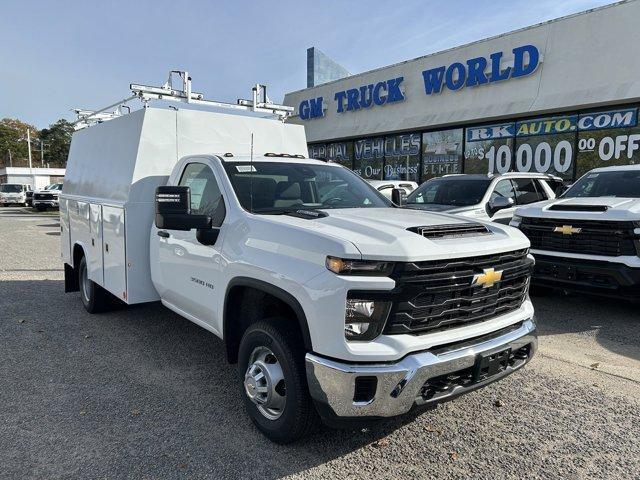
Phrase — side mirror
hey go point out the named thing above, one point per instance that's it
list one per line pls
(500, 203)
(399, 196)
(173, 210)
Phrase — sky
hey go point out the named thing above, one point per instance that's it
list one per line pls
(58, 55)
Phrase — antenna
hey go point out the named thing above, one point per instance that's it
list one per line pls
(251, 178)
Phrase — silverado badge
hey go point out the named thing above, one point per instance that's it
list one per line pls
(488, 278)
(567, 230)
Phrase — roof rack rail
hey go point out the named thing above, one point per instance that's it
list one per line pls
(180, 93)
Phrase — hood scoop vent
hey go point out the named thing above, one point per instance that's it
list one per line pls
(451, 231)
(562, 207)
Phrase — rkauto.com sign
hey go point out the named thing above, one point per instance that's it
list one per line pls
(474, 72)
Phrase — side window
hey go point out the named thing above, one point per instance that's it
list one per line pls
(527, 191)
(504, 188)
(205, 192)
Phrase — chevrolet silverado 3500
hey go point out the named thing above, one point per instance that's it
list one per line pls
(334, 302)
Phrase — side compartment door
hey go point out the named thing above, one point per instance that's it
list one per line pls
(94, 267)
(113, 234)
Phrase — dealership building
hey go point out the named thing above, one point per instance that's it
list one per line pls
(559, 97)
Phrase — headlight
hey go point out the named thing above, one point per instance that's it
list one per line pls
(341, 266)
(515, 221)
(365, 319)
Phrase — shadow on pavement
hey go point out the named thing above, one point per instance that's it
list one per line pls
(615, 323)
(135, 392)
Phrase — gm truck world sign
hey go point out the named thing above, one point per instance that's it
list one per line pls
(474, 72)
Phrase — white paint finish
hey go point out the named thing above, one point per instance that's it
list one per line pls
(216, 133)
(139, 219)
(113, 231)
(589, 59)
(95, 252)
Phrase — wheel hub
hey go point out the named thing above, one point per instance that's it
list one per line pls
(264, 383)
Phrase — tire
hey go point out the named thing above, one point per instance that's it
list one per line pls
(94, 298)
(271, 343)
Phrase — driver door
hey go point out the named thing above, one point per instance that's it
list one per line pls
(189, 270)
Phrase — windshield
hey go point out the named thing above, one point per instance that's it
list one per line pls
(280, 187)
(54, 186)
(454, 191)
(10, 188)
(621, 183)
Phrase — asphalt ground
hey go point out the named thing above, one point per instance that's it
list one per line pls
(142, 393)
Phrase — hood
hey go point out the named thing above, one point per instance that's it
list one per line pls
(585, 208)
(382, 234)
(430, 207)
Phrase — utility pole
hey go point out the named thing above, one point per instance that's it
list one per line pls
(41, 153)
(10, 159)
(29, 149)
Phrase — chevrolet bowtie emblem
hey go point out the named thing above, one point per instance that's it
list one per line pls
(487, 279)
(567, 230)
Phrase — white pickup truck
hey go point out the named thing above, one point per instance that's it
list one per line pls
(588, 240)
(331, 299)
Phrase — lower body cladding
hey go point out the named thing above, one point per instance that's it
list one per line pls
(358, 391)
(585, 275)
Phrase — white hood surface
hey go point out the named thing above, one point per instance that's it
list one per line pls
(381, 234)
(613, 209)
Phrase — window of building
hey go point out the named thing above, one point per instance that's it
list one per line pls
(487, 146)
(369, 158)
(607, 138)
(441, 153)
(402, 157)
(544, 145)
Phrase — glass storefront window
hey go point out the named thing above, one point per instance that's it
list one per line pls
(544, 145)
(402, 157)
(608, 138)
(339, 152)
(487, 143)
(441, 153)
(369, 158)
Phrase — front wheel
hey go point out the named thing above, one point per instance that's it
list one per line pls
(272, 371)
(94, 298)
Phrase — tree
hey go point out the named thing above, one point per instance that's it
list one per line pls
(13, 141)
(57, 139)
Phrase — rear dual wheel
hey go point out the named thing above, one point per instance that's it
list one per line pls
(272, 371)
(94, 298)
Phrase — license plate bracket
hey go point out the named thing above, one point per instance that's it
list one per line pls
(492, 363)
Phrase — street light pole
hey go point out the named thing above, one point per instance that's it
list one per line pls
(41, 153)
(10, 159)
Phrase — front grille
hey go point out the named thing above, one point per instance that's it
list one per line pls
(596, 237)
(438, 295)
(451, 231)
(43, 196)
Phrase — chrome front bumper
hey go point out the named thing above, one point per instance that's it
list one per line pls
(422, 378)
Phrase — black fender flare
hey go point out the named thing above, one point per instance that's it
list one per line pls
(277, 292)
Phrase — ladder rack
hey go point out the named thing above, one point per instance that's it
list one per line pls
(180, 93)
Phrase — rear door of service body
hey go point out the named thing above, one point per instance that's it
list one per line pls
(189, 271)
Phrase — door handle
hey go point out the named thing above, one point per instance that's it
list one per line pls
(163, 234)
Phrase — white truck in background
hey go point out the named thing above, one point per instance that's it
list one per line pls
(334, 302)
(588, 240)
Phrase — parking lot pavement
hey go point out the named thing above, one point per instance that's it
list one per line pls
(142, 393)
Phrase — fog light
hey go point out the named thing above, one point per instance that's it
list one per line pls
(365, 319)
